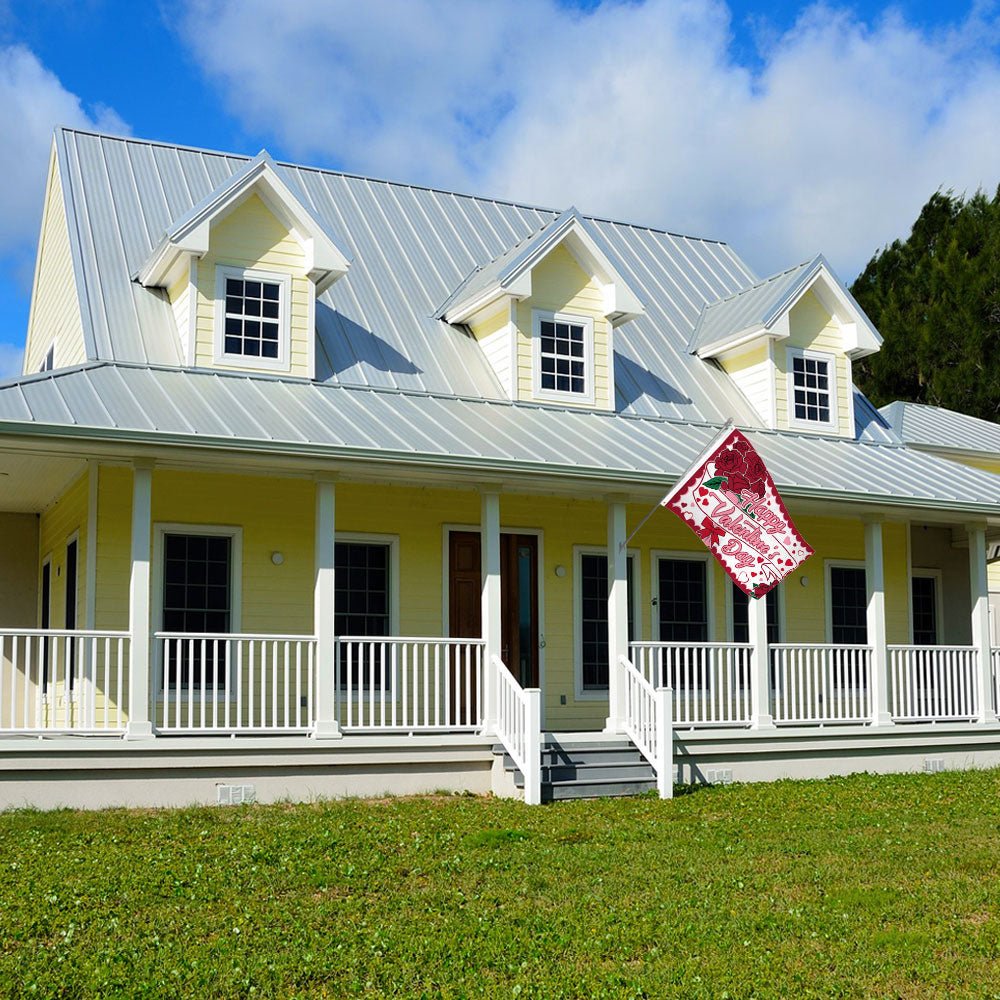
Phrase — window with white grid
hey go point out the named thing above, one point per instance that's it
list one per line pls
(252, 318)
(812, 388)
(563, 356)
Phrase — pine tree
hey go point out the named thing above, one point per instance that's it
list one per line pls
(935, 298)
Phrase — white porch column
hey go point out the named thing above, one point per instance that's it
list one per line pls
(617, 614)
(327, 726)
(875, 584)
(760, 665)
(489, 526)
(981, 622)
(139, 726)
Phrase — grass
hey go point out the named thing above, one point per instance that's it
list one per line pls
(857, 887)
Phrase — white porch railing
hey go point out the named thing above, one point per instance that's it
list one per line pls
(814, 684)
(410, 684)
(234, 683)
(710, 681)
(995, 659)
(933, 683)
(63, 681)
(519, 720)
(647, 724)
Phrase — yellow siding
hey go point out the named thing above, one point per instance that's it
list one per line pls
(491, 324)
(66, 516)
(55, 306)
(751, 371)
(278, 515)
(559, 284)
(251, 236)
(812, 327)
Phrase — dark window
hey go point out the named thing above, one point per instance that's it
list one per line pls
(252, 318)
(741, 624)
(594, 618)
(848, 605)
(683, 600)
(924, 590)
(811, 387)
(49, 361)
(563, 365)
(197, 599)
(46, 620)
(71, 586)
(362, 604)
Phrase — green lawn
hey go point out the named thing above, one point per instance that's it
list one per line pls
(858, 887)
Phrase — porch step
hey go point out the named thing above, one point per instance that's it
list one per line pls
(588, 770)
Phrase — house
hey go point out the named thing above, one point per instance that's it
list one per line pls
(315, 484)
(969, 440)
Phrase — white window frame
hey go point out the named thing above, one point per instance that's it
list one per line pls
(937, 577)
(828, 565)
(282, 362)
(235, 533)
(656, 555)
(580, 693)
(48, 359)
(831, 361)
(556, 395)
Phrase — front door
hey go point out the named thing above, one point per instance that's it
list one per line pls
(518, 598)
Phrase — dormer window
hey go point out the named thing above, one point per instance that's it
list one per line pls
(563, 349)
(252, 318)
(812, 377)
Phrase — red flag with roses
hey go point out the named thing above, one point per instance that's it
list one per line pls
(731, 503)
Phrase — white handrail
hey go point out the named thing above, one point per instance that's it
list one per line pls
(519, 713)
(710, 681)
(648, 724)
(821, 683)
(63, 681)
(217, 682)
(409, 683)
(995, 659)
(933, 683)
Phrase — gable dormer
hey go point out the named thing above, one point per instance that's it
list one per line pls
(242, 270)
(788, 343)
(544, 312)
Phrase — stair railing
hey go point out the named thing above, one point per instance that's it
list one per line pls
(648, 723)
(519, 724)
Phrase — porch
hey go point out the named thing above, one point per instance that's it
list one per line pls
(497, 678)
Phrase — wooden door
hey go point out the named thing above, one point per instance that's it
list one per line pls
(518, 598)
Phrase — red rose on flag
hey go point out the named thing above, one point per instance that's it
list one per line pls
(754, 467)
(728, 463)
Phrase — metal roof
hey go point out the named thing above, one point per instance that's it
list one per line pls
(750, 308)
(410, 247)
(173, 406)
(921, 425)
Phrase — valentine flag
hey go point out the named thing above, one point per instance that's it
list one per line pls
(730, 502)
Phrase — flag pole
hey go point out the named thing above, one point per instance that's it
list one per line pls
(681, 479)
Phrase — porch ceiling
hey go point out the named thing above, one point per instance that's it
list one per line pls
(29, 483)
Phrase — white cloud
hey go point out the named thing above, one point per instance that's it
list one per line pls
(33, 102)
(636, 110)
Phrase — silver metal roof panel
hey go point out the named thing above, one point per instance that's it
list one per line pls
(922, 425)
(271, 414)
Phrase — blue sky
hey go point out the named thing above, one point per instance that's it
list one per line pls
(783, 128)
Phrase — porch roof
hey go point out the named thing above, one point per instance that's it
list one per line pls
(146, 405)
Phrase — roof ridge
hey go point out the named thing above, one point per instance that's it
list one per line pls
(762, 282)
(383, 180)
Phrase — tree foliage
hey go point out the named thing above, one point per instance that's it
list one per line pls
(935, 298)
